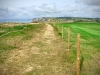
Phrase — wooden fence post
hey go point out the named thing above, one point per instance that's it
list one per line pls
(78, 55)
(68, 38)
(62, 32)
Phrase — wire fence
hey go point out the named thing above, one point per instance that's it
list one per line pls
(89, 56)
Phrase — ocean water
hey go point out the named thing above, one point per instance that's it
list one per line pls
(17, 20)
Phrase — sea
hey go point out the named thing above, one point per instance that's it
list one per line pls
(16, 20)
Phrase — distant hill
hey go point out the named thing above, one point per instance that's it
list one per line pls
(66, 19)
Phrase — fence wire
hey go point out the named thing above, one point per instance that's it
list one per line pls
(91, 63)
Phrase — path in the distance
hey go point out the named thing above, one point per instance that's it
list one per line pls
(40, 56)
(49, 34)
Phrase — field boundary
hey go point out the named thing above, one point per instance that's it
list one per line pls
(79, 57)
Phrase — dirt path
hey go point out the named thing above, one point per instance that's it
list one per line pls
(49, 33)
(39, 56)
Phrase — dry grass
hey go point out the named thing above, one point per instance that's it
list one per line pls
(44, 54)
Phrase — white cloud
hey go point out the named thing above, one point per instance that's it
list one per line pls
(48, 10)
(7, 12)
(90, 8)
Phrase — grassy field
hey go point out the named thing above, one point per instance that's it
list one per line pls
(12, 37)
(28, 49)
(90, 44)
(40, 54)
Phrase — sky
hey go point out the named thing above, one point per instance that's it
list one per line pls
(29, 9)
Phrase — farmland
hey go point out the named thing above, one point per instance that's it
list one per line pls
(90, 45)
(39, 49)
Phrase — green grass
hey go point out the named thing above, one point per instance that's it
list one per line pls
(90, 43)
(17, 34)
(88, 31)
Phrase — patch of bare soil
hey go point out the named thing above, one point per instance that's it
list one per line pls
(38, 56)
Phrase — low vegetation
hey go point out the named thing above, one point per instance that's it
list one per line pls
(90, 49)
(12, 37)
(37, 49)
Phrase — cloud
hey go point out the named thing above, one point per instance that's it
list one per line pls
(48, 10)
(89, 7)
(96, 9)
(7, 12)
(92, 2)
(35, 11)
